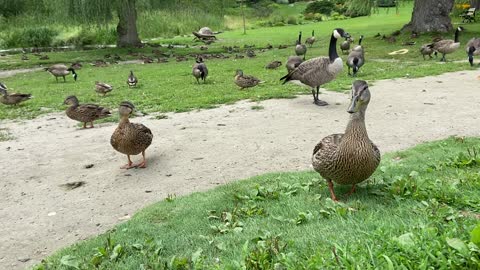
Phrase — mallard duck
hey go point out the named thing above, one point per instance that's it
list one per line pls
(245, 81)
(447, 46)
(311, 39)
(345, 46)
(348, 158)
(473, 48)
(13, 98)
(319, 70)
(60, 70)
(86, 113)
(103, 88)
(273, 65)
(132, 80)
(300, 49)
(251, 53)
(200, 70)
(131, 138)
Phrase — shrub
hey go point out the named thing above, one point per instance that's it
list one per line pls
(322, 7)
(292, 20)
(29, 37)
(359, 8)
(386, 3)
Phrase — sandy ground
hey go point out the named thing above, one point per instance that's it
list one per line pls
(197, 151)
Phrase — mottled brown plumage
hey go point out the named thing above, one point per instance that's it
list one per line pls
(245, 81)
(131, 138)
(12, 98)
(447, 46)
(352, 157)
(102, 88)
(273, 65)
(85, 113)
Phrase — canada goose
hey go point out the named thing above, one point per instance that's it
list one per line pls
(131, 138)
(245, 81)
(199, 70)
(13, 98)
(273, 65)
(293, 62)
(348, 158)
(311, 39)
(427, 49)
(345, 46)
(132, 80)
(473, 48)
(86, 113)
(447, 46)
(60, 70)
(319, 70)
(102, 88)
(300, 49)
(356, 58)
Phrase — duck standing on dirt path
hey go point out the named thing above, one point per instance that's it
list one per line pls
(86, 113)
(131, 138)
(319, 70)
(348, 158)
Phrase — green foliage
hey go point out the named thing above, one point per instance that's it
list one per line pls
(29, 37)
(386, 3)
(323, 7)
(357, 8)
(289, 222)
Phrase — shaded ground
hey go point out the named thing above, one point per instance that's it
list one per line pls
(196, 151)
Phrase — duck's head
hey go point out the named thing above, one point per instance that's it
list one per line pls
(239, 72)
(126, 108)
(71, 100)
(340, 33)
(360, 96)
(471, 50)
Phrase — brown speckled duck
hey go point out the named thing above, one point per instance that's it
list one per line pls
(131, 138)
(86, 113)
(348, 158)
(245, 81)
(13, 98)
(102, 88)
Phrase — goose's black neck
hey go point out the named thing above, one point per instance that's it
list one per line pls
(332, 49)
(360, 41)
(456, 35)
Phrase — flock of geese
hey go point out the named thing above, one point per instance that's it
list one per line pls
(347, 158)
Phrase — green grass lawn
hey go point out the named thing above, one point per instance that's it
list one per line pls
(171, 87)
(418, 211)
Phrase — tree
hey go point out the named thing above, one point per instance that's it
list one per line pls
(127, 34)
(431, 16)
(475, 4)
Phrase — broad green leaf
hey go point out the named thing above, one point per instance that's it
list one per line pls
(458, 245)
(475, 235)
(71, 261)
(389, 262)
(406, 239)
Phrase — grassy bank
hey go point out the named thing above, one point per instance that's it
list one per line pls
(416, 212)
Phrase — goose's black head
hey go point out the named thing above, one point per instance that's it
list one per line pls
(199, 59)
(340, 33)
(360, 96)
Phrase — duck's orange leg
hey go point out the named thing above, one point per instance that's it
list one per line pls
(332, 193)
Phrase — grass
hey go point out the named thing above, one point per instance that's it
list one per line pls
(169, 87)
(418, 211)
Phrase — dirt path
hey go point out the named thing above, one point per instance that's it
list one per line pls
(196, 151)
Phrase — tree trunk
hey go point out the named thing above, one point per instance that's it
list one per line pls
(430, 16)
(127, 35)
(475, 4)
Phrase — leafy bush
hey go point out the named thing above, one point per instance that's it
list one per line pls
(29, 37)
(386, 3)
(292, 20)
(313, 17)
(359, 8)
(322, 7)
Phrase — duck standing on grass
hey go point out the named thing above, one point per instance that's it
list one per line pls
(245, 81)
(131, 138)
(102, 88)
(200, 70)
(132, 80)
(319, 70)
(86, 113)
(13, 98)
(348, 158)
